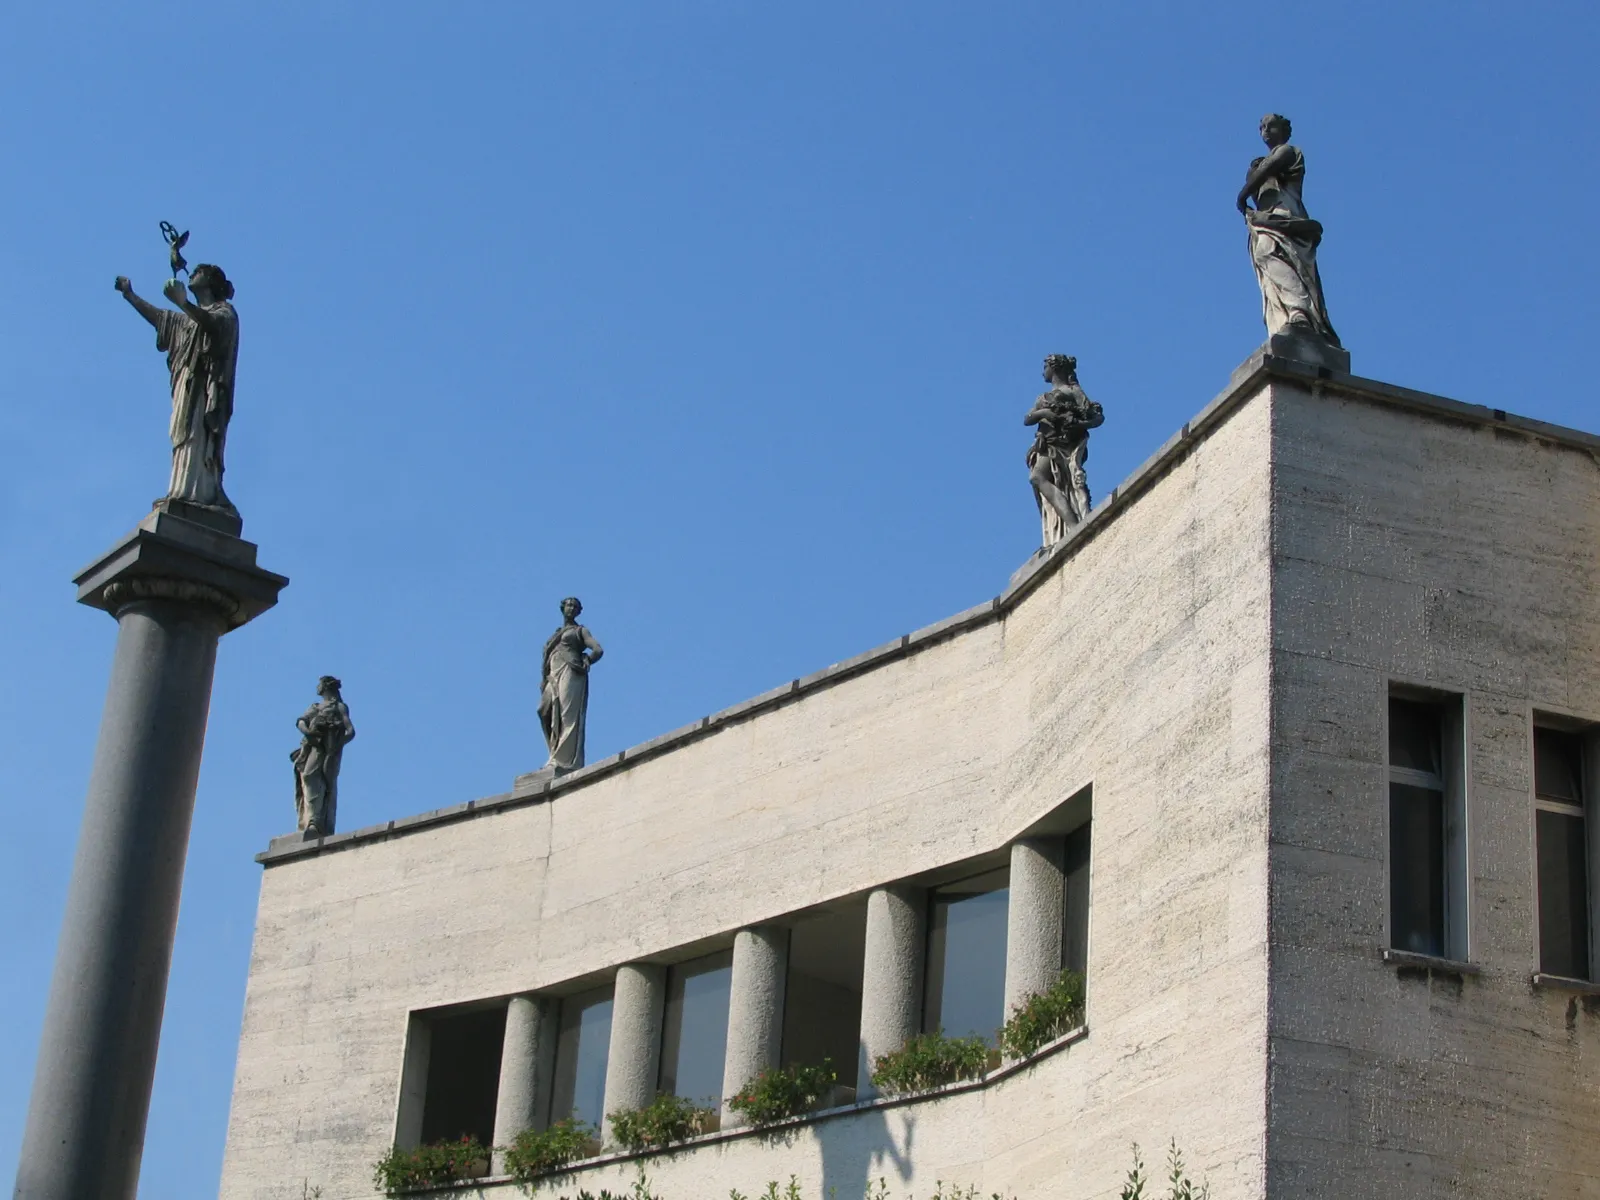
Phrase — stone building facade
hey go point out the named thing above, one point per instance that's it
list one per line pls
(1256, 746)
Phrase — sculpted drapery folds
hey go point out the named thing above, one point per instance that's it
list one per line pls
(564, 687)
(1283, 240)
(325, 730)
(1063, 417)
(201, 342)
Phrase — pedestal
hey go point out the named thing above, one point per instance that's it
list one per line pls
(174, 586)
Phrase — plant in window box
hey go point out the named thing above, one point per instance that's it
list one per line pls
(433, 1166)
(536, 1152)
(665, 1120)
(930, 1060)
(1044, 1016)
(778, 1093)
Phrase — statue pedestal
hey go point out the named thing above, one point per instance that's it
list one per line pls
(175, 587)
(1299, 347)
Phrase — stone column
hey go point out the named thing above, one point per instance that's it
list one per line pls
(634, 1064)
(526, 1059)
(755, 1009)
(891, 977)
(1033, 918)
(174, 586)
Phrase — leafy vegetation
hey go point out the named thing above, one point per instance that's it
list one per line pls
(665, 1120)
(1182, 1187)
(537, 1152)
(779, 1093)
(929, 1060)
(435, 1166)
(1044, 1016)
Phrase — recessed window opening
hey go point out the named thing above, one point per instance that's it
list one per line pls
(583, 1046)
(966, 966)
(694, 1032)
(463, 1076)
(1427, 846)
(822, 995)
(1562, 839)
(1075, 909)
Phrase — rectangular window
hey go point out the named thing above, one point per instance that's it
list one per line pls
(822, 996)
(694, 1031)
(1075, 910)
(583, 1046)
(1562, 837)
(966, 975)
(463, 1076)
(1427, 845)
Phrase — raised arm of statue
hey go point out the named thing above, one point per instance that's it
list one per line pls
(140, 305)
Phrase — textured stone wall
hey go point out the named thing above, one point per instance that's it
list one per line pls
(1460, 555)
(1139, 664)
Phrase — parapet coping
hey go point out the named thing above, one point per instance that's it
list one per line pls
(1255, 372)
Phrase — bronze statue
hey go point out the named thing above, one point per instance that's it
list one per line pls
(175, 243)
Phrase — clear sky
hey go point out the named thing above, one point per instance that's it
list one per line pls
(721, 316)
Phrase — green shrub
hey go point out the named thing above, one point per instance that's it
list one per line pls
(930, 1060)
(538, 1152)
(666, 1120)
(778, 1093)
(1044, 1016)
(435, 1166)
(1182, 1188)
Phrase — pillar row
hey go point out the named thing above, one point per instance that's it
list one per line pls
(755, 1008)
(891, 981)
(526, 1061)
(1034, 918)
(634, 1065)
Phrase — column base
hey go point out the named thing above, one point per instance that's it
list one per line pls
(1297, 347)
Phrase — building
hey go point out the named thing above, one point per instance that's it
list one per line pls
(1289, 745)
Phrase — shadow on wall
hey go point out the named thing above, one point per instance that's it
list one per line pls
(851, 1163)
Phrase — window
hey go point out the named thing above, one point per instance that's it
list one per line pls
(1075, 910)
(463, 1076)
(694, 1031)
(966, 975)
(822, 995)
(1563, 853)
(583, 1046)
(1427, 847)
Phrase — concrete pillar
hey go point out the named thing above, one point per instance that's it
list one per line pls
(174, 587)
(526, 1059)
(634, 1064)
(1033, 918)
(755, 1008)
(891, 978)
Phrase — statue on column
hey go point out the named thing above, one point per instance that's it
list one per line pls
(201, 341)
(1064, 415)
(325, 730)
(1283, 240)
(564, 687)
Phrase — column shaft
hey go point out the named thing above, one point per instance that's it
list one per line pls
(634, 1063)
(526, 1058)
(1033, 918)
(755, 1008)
(97, 1053)
(891, 980)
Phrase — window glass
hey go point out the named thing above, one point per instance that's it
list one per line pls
(1415, 736)
(1075, 923)
(1416, 869)
(1563, 896)
(822, 995)
(583, 1046)
(463, 1076)
(1557, 766)
(966, 973)
(694, 1034)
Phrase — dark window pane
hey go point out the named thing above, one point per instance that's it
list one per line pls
(1563, 896)
(582, 1049)
(1075, 925)
(694, 1035)
(1415, 735)
(1416, 868)
(967, 957)
(822, 997)
(463, 1076)
(1558, 765)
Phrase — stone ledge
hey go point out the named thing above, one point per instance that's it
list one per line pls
(1430, 962)
(1561, 983)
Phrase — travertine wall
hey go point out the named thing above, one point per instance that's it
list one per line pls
(1139, 664)
(1459, 554)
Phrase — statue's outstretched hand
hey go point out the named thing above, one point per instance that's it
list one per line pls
(175, 291)
(124, 285)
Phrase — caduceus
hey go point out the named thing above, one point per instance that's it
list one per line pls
(175, 243)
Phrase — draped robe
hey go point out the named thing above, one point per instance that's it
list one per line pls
(1283, 250)
(201, 357)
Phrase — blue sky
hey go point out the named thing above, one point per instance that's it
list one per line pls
(721, 316)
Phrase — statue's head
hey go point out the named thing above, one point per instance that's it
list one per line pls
(1275, 129)
(1060, 368)
(328, 686)
(571, 607)
(208, 282)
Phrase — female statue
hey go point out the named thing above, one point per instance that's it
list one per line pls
(1283, 240)
(564, 687)
(201, 341)
(325, 730)
(1064, 416)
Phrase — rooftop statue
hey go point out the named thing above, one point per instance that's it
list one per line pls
(1064, 415)
(325, 730)
(1283, 239)
(564, 687)
(201, 341)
